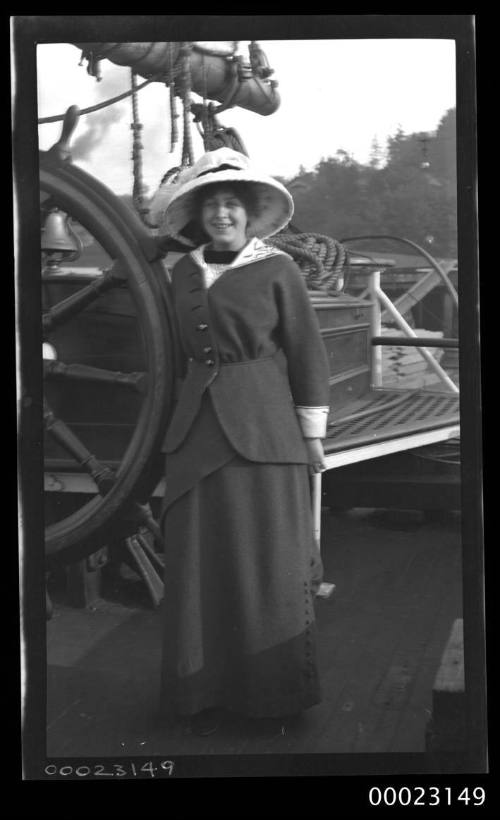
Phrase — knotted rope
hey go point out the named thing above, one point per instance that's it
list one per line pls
(174, 134)
(137, 148)
(187, 157)
(214, 134)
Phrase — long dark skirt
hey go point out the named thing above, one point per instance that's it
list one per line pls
(241, 568)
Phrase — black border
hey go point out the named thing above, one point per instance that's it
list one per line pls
(27, 32)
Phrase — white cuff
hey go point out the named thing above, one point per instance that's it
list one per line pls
(313, 421)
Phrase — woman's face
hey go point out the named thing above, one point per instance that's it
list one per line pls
(225, 219)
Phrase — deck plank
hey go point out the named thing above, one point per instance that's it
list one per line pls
(419, 707)
(391, 700)
(376, 682)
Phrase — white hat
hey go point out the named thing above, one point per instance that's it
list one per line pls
(172, 207)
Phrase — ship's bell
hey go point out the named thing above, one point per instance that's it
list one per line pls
(59, 240)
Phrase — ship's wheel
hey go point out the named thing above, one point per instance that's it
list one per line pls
(108, 361)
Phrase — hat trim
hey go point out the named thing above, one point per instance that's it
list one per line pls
(170, 218)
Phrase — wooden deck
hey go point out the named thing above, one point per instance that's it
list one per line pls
(381, 638)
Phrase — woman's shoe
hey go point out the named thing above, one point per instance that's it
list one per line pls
(205, 723)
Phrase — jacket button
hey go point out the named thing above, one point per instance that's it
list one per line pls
(210, 362)
(207, 349)
(201, 326)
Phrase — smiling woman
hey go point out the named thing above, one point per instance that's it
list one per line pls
(236, 513)
(201, 384)
(225, 219)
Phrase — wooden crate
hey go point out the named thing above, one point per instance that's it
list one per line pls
(345, 328)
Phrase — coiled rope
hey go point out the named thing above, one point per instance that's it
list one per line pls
(320, 258)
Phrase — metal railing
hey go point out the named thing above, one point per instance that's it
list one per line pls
(438, 268)
(379, 298)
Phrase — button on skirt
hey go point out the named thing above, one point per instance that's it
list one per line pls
(241, 568)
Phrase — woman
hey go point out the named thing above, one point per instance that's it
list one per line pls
(240, 564)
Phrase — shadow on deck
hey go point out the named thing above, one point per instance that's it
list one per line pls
(381, 638)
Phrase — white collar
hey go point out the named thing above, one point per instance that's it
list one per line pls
(253, 251)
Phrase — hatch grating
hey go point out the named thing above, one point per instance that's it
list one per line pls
(385, 414)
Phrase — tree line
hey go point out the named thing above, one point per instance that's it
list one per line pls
(407, 190)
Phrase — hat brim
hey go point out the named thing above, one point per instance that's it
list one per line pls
(274, 210)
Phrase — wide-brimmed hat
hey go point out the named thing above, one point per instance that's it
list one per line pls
(173, 206)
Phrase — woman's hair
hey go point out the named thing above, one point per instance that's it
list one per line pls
(246, 192)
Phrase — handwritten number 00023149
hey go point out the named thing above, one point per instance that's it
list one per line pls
(165, 767)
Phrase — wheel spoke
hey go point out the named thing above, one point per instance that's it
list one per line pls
(146, 568)
(84, 372)
(145, 514)
(102, 475)
(155, 558)
(75, 303)
(101, 324)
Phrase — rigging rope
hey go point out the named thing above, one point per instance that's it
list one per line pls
(174, 132)
(93, 61)
(137, 147)
(92, 108)
(214, 134)
(320, 258)
(187, 157)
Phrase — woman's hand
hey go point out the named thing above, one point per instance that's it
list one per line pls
(316, 455)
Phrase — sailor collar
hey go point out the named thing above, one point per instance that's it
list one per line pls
(254, 251)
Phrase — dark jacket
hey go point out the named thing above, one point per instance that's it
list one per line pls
(253, 341)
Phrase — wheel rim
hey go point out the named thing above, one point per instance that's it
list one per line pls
(98, 211)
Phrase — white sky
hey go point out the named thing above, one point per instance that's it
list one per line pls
(335, 94)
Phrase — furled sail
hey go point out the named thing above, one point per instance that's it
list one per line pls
(212, 69)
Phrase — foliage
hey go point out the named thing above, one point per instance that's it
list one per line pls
(408, 190)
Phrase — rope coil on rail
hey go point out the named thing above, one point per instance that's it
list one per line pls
(320, 258)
